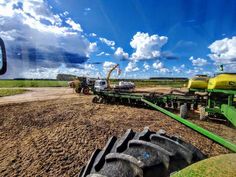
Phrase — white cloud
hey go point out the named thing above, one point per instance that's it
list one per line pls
(89, 66)
(65, 13)
(49, 73)
(120, 54)
(92, 46)
(100, 54)
(147, 47)
(164, 70)
(8, 35)
(195, 70)
(107, 42)
(31, 25)
(158, 65)
(198, 61)
(146, 66)
(107, 65)
(223, 51)
(176, 70)
(131, 67)
(93, 34)
(75, 26)
(103, 54)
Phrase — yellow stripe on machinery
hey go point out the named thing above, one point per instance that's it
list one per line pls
(223, 81)
(198, 82)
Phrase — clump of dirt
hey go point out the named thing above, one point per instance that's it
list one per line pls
(57, 137)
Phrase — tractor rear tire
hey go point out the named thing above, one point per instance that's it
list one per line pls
(86, 90)
(184, 111)
(144, 154)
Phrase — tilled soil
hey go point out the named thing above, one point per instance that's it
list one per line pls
(57, 137)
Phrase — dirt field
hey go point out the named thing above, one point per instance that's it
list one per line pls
(39, 94)
(56, 137)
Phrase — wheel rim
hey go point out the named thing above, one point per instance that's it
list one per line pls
(86, 91)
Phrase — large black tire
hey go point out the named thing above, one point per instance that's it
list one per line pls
(144, 154)
(86, 90)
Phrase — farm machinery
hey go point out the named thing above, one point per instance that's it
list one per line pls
(148, 153)
(156, 154)
(105, 85)
(85, 84)
(220, 92)
(213, 97)
(82, 84)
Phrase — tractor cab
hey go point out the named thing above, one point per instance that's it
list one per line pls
(100, 85)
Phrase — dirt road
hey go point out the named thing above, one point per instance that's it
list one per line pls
(48, 93)
(56, 137)
(39, 94)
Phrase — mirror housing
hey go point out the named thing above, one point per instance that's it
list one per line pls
(3, 68)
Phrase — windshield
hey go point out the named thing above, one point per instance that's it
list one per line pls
(100, 83)
(82, 71)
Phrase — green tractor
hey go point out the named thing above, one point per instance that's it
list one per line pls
(82, 85)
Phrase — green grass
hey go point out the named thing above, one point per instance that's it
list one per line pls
(8, 92)
(31, 83)
(54, 83)
(157, 83)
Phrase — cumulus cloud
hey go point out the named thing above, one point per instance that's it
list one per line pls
(146, 66)
(147, 46)
(107, 42)
(37, 37)
(92, 46)
(176, 70)
(223, 51)
(120, 54)
(198, 61)
(164, 70)
(196, 70)
(74, 26)
(107, 65)
(158, 65)
(131, 67)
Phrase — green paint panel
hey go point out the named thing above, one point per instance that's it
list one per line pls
(229, 112)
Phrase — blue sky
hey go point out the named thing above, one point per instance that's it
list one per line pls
(147, 37)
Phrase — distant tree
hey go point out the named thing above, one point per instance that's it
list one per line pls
(65, 77)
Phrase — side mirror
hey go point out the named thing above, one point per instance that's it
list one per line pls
(3, 58)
